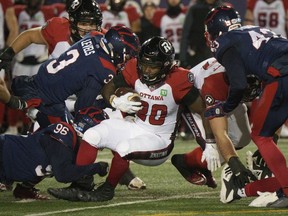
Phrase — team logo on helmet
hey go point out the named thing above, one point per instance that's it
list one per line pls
(74, 5)
(166, 47)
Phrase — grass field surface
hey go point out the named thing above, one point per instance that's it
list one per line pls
(167, 194)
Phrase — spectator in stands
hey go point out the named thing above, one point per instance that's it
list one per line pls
(170, 21)
(116, 13)
(148, 29)
(193, 47)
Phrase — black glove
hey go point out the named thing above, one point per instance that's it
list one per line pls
(241, 173)
(5, 58)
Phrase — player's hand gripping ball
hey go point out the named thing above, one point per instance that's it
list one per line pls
(124, 90)
(126, 100)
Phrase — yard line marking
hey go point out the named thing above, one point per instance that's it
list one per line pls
(123, 203)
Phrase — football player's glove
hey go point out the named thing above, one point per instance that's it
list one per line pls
(211, 155)
(6, 58)
(242, 174)
(124, 104)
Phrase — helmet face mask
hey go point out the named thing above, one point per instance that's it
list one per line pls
(84, 16)
(87, 118)
(220, 20)
(121, 44)
(155, 60)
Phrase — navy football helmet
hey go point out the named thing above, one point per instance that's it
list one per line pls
(121, 44)
(156, 52)
(87, 118)
(219, 20)
(84, 11)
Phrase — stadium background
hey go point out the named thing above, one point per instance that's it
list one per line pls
(239, 5)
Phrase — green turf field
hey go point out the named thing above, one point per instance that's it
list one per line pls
(167, 194)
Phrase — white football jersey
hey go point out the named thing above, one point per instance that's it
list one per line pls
(271, 15)
(171, 29)
(26, 22)
(110, 19)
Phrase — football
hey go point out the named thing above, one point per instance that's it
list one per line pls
(124, 90)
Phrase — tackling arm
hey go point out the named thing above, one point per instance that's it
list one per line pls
(26, 38)
(12, 25)
(219, 127)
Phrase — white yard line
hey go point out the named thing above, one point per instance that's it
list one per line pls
(194, 195)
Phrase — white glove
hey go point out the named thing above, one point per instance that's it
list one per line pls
(124, 104)
(211, 155)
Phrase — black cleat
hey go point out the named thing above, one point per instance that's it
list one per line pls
(68, 193)
(194, 176)
(21, 192)
(281, 202)
(103, 193)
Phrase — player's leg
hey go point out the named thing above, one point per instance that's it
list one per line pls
(150, 146)
(273, 105)
(192, 169)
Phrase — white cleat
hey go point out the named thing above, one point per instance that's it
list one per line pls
(264, 199)
(136, 184)
(229, 191)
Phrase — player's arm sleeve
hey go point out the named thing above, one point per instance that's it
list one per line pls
(191, 96)
(16, 103)
(119, 81)
(235, 70)
(89, 95)
(62, 160)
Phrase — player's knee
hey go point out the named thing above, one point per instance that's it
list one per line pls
(92, 137)
(123, 148)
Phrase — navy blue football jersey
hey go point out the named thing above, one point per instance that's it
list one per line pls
(257, 47)
(84, 67)
(25, 159)
(50, 151)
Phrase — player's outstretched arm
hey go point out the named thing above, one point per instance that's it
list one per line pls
(4, 92)
(26, 38)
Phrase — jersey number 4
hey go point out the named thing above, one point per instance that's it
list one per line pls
(263, 35)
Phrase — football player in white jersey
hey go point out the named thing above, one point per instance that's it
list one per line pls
(270, 14)
(148, 139)
(171, 23)
(233, 131)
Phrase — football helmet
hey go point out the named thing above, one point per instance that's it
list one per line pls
(84, 11)
(155, 53)
(253, 89)
(117, 5)
(219, 20)
(88, 117)
(121, 44)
